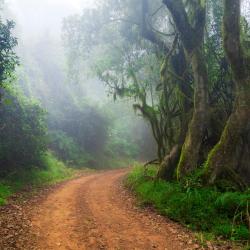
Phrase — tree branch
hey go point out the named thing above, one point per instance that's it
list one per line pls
(190, 36)
(179, 14)
(148, 33)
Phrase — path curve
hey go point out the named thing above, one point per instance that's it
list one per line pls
(95, 212)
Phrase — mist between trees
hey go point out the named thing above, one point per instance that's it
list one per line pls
(45, 108)
(179, 65)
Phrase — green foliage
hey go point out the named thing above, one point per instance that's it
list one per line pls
(54, 171)
(4, 193)
(8, 58)
(121, 142)
(67, 149)
(200, 208)
(23, 133)
(121, 146)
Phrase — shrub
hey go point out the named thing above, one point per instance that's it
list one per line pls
(23, 133)
(69, 151)
(54, 171)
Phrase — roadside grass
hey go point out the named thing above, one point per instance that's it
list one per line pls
(54, 172)
(208, 211)
(5, 192)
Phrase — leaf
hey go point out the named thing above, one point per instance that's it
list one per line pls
(7, 102)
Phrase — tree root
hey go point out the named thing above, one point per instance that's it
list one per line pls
(169, 164)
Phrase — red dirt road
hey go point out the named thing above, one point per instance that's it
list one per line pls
(95, 212)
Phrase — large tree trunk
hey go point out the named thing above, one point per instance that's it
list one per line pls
(191, 148)
(192, 36)
(185, 156)
(230, 158)
(169, 164)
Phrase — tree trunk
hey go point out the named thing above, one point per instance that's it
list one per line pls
(230, 158)
(191, 148)
(169, 163)
(192, 36)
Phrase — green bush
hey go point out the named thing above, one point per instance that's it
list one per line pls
(54, 171)
(4, 193)
(23, 133)
(203, 209)
(67, 149)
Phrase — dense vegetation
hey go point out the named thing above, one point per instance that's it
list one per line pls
(24, 156)
(54, 171)
(23, 137)
(193, 205)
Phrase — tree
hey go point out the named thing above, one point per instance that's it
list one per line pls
(231, 155)
(23, 133)
(191, 26)
(8, 58)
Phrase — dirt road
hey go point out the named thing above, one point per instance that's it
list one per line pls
(95, 212)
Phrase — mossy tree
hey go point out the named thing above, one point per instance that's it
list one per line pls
(230, 158)
(190, 21)
(174, 71)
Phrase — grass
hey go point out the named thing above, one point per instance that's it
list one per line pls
(5, 192)
(54, 172)
(203, 209)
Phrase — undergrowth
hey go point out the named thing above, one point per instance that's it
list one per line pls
(204, 209)
(54, 171)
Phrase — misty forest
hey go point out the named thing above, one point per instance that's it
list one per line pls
(125, 124)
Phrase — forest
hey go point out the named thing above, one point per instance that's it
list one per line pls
(156, 91)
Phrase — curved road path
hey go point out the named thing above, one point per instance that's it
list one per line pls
(95, 212)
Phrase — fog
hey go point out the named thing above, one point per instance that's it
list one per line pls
(85, 125)
(35, 17)
(93, 78)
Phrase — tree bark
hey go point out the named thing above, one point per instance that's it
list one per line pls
(192, 36)
(169, 164)
(230, 158)
(147, 33)
(190, 152)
